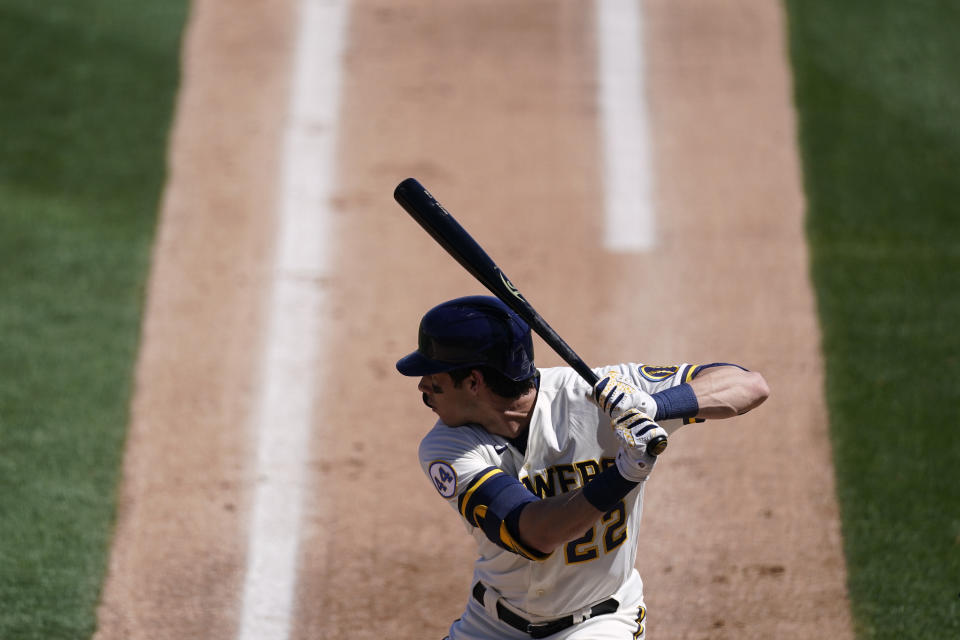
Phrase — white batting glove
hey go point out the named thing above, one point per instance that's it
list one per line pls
(631, 411)
(634, 429)
(635, 464)
(614, 394)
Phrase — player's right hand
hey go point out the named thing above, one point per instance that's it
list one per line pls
(614, 394)
(635, 430)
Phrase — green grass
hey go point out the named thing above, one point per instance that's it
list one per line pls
(86, 104)
(878, 99)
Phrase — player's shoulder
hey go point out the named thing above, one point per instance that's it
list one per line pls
(443, 441)
(555, 379)
(452, 456)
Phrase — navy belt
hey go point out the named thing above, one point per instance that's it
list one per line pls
(547, 627)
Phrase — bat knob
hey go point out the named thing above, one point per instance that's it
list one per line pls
(657, 446)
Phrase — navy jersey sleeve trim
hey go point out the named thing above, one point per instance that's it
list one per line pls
(492, 502)
(700, 368)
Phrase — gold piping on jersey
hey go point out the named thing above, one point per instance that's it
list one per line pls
(465, 497)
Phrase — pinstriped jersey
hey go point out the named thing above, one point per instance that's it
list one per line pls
(568, 442)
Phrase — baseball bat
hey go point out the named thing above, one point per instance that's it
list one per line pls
(443, 227)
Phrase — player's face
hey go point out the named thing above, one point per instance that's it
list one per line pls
(450, 402)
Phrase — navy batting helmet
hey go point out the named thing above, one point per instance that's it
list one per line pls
(471, 331)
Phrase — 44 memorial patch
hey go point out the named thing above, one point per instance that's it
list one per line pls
(444, 478)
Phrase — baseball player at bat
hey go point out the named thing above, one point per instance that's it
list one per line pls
(546, 472)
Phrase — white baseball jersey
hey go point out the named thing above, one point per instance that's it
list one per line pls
(569, 441)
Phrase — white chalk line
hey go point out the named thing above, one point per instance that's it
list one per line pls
(283, 419)
(292, 354)
(621, 95)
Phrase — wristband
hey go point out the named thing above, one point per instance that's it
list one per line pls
(607, 488)
(676, 402)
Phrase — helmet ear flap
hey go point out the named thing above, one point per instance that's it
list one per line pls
(521, 357)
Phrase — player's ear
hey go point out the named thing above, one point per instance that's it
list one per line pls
(475, 380)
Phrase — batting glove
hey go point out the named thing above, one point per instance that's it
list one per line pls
(634, 429)
(635, 465)
(614, 394)
(631, 410)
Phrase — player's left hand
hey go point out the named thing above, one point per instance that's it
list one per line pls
(615, 395)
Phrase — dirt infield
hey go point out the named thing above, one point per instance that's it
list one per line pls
(491, 104)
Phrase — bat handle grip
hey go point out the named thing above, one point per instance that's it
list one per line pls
(657, 446)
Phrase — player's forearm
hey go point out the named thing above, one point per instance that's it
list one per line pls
(549, 523)
(725, 392)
